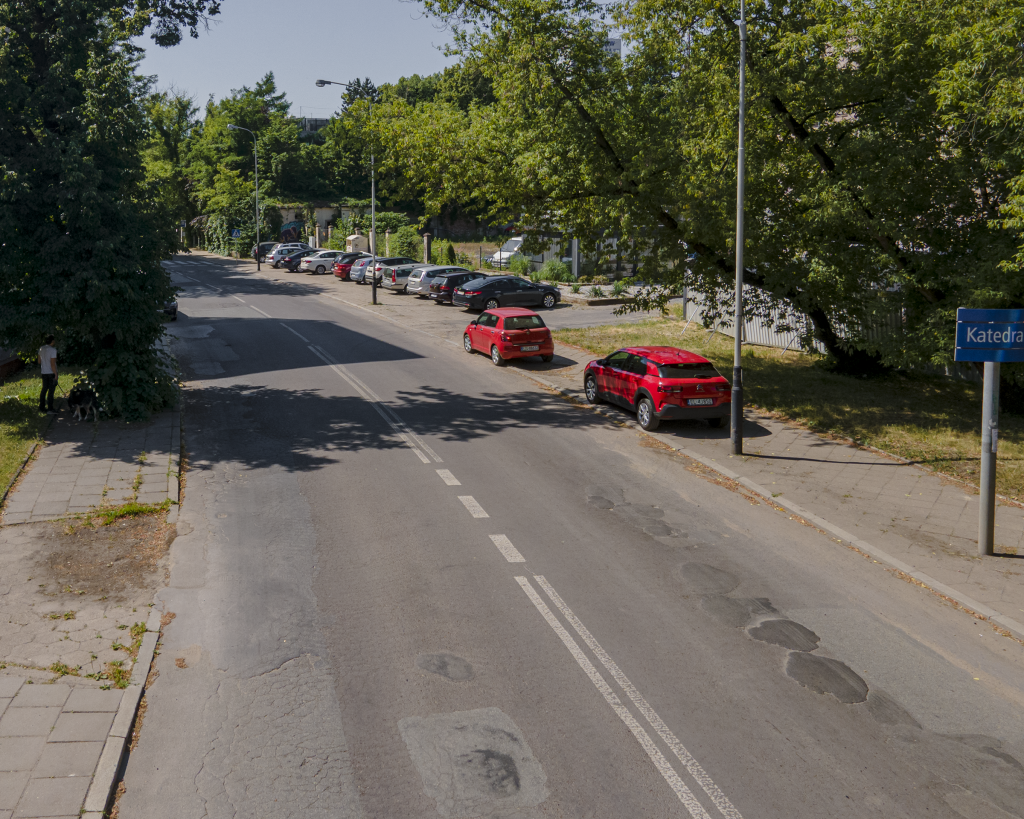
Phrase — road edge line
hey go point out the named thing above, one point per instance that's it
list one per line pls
(1004, 622)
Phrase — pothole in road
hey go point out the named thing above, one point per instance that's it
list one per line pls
(736, 612)
(785, 633)
(446, 665)
(473, 763)
(826, 676)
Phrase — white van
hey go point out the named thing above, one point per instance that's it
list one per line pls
(501, 257)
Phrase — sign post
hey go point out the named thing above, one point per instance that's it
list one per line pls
(992, 337)
(236, 234)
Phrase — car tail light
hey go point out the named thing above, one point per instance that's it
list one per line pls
(446, 287)
(669, 388)
(394, 277)
(472, 292)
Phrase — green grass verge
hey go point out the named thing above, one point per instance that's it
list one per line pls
(931, 420)
(132, 509)
(21, 424)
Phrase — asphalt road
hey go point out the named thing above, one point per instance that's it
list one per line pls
(416, 585)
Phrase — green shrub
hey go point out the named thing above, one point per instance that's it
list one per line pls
(520, 265)
(595, 292)
(619, 287)
(575, 287)
(449, 255)
(555, 270)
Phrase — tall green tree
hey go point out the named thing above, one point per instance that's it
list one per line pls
(83, 234)
(868, 210)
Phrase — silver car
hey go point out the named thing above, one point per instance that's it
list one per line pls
(319, 263)
(283, 250)
(420, 278)
(396, 277)
(357, 273)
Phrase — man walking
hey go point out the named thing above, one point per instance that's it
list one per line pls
(48, 367)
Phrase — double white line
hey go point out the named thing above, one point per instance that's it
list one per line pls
(411, 439)
(697, 811)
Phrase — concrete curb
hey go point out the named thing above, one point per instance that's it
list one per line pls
(1008, 623)
(18, 471)
(174, 468)
(108, 771)
(596, 302)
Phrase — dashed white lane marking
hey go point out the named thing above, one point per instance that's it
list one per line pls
(505, 546)
(696, 771)
(448, 477)
(257, 309)
(382, 408)
(475, 509)
(675, 782)
(286, 327)
(241, 300)
(373, 401)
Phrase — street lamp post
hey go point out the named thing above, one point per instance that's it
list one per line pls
(373, 203)
(256, 160)
(737, 362)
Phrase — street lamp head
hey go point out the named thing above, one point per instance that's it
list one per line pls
(322, 83)
(232, 127)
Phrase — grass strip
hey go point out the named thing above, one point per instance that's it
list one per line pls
(132, 509)
(930, 420)
(21, 423)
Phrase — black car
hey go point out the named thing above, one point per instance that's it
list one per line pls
(291, 262)
(504, 291)
(443, 287)
(265, 248)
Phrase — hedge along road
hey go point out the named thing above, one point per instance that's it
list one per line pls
(412, 584)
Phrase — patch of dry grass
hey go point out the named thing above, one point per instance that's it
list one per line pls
(931, 420)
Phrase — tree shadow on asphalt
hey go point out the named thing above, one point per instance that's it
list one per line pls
(306, 430)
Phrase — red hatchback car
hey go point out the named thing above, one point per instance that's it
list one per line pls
(509, 332)
(660, 384)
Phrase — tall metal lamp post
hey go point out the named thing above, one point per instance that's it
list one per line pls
(373, 203)
(256, 159)
(737, 362)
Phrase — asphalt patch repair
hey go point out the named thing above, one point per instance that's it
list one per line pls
(107, 561)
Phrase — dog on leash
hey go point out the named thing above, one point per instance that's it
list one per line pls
(82, 401)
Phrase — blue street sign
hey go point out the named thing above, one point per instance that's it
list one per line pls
(989, 335)
(236, 233)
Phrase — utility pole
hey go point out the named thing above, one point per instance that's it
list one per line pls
(373, 202)
(737, 361)
(257, 179)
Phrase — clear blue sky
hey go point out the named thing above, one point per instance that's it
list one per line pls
(301, 41)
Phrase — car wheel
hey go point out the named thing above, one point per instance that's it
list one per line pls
(645, 415)
(405, 289)
(466, 343)
(320, 270)
(716, 423)
(590, 389)
(496, 358)
(491, 304)
(549, 300)
(274, 265)
(174, 316)
(547, 359)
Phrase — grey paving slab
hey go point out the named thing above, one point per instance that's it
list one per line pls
(42, 695)
(91, 699)
(81, 727)
(12, 785)
(20, 753)
(52, 797)
(68, 759)
(28, 722)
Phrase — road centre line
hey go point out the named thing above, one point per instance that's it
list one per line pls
(448, 477)
(257, 309)
(394, 417)
(475, 509)
(696, 771)
(241, 300)
(370, 400)
(664, 768)
(505, 546)
(286, 327)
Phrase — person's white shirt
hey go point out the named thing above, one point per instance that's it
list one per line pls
(47, 354)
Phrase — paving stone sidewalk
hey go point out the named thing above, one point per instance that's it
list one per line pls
(86, 465)
(923, 519)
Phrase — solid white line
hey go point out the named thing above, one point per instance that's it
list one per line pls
(684, 793)
(241, 300)
(448, 477)
(257, 309)
(286, 327)
(475, 509)
(505, 546)
(696, 771)
(419, 454)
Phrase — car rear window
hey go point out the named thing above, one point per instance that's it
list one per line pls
(523, 322)
(691, 370)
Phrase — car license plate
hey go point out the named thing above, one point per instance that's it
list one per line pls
(532, 348)
(700, 402)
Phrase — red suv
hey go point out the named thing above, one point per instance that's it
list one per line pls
(509, 332)
(660, 384)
